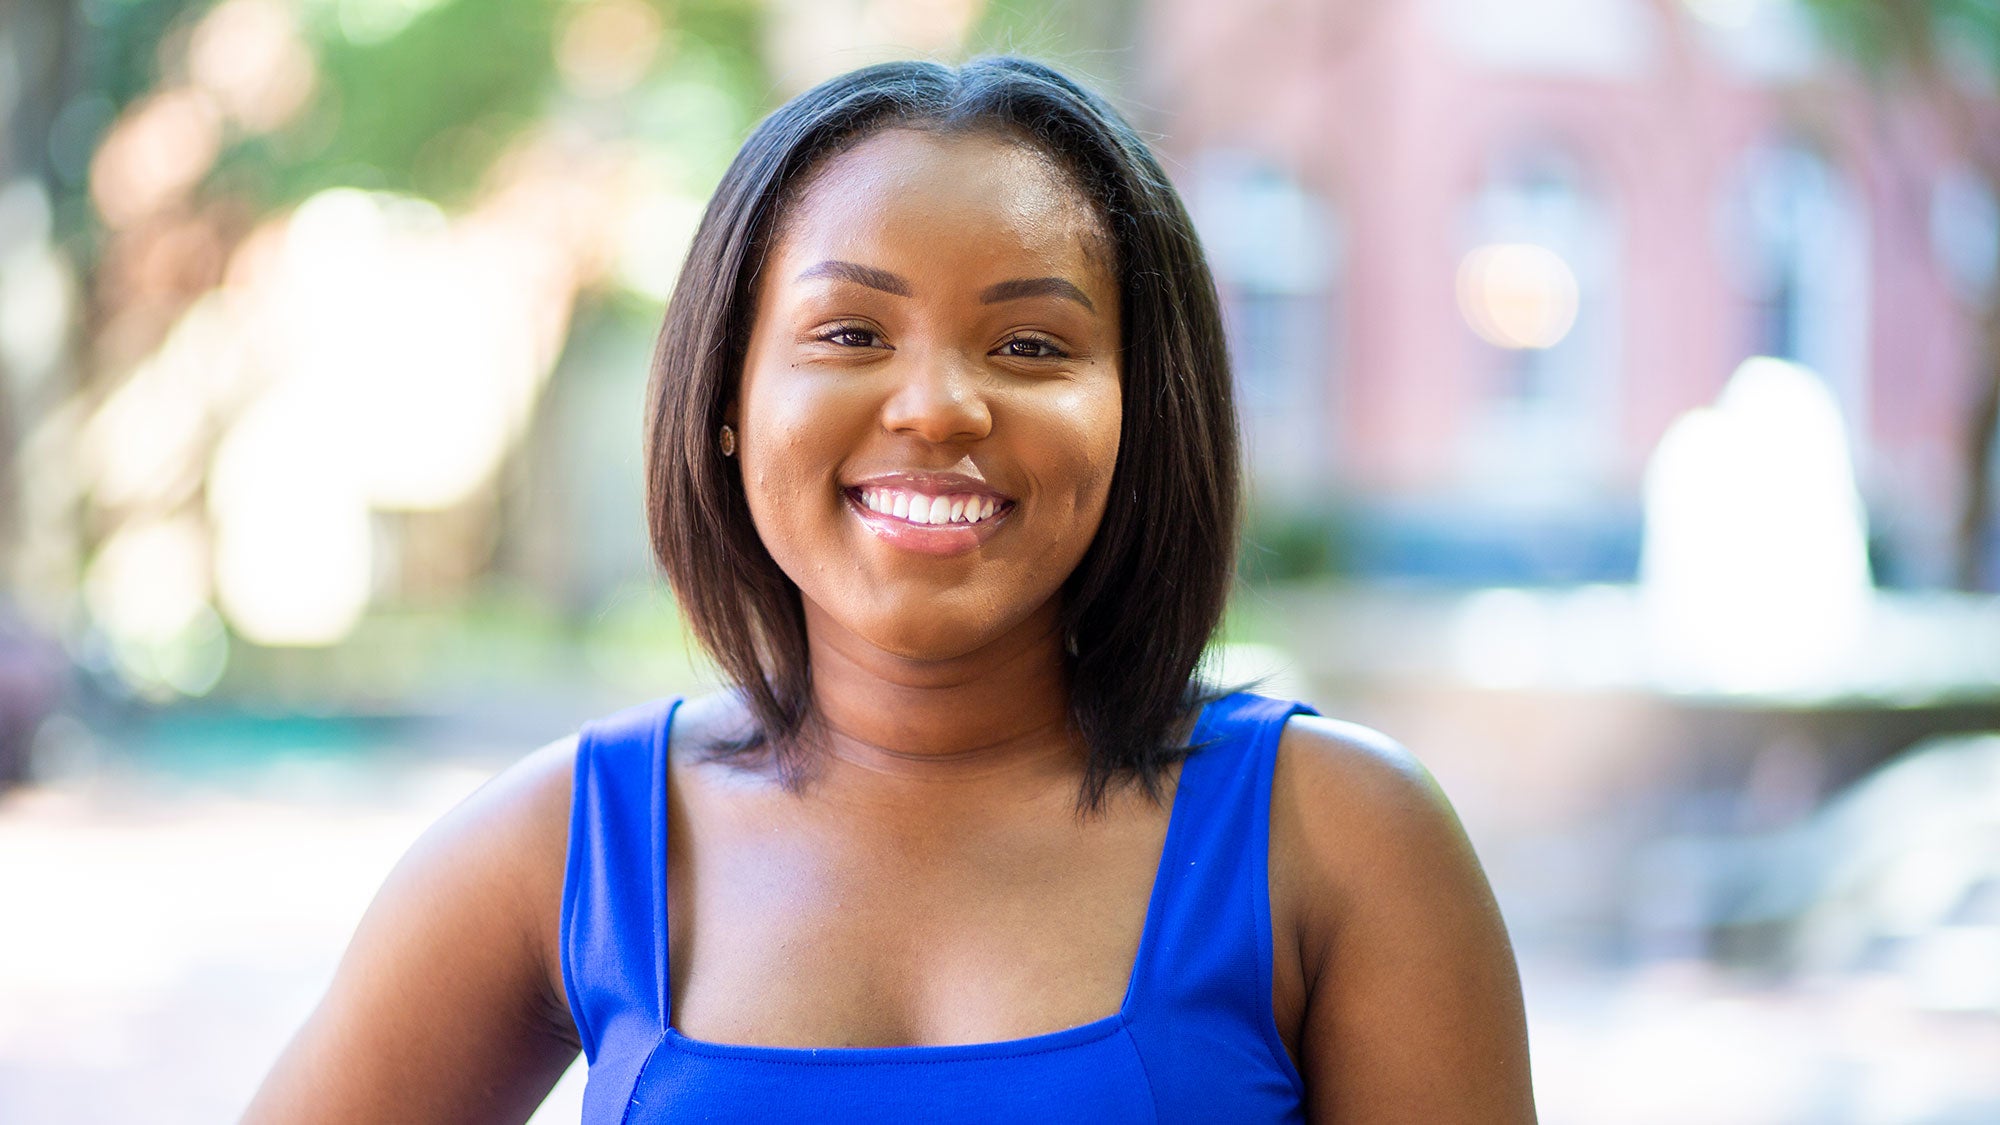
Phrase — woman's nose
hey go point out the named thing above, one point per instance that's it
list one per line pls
(940, 398)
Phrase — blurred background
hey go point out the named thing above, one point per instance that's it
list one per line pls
(1620, 379)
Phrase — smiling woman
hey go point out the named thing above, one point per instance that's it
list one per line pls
(1015, 209)
(943, 469)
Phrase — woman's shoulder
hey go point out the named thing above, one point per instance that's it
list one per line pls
(691, 725)
(495, 845)
(1353, 807)
(516, 819)
(492, 869)
(1360, 833)
(458, 937)
(502, 850)
(1327, 763)
(701, 722)
(613, 753)
(1379, 905)
(1391, 943)
(530, 798)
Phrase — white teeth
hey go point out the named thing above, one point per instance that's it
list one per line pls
(921, 508)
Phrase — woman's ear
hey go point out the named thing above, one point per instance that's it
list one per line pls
(725, 437)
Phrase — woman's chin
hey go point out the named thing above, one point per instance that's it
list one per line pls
(923, 635)
(932, 643)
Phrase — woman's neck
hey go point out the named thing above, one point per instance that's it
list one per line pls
(1000, 710)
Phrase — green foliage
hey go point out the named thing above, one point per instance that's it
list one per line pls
(1092, 41)
(701, 106)
(119, 50)
(421, 97)
(1291, 543)
(115, 52)
(427, 108)
(1888, 37)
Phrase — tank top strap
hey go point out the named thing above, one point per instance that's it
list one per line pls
(614, 914)
(1207, 963)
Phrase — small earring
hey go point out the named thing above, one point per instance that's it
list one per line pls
(728, 442)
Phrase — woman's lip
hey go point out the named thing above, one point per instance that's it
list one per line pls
(942, 539)
(931, 484)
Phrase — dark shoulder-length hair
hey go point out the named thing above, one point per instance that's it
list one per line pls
(1144, 602)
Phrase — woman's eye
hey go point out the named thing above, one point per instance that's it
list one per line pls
(1030, 347)
(852, 336)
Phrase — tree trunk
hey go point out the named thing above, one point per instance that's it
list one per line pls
(42, 33)
(1975, 519)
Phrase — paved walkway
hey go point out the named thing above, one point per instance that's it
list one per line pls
(159, 942)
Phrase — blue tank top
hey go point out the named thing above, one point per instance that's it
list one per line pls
(1194, 1041)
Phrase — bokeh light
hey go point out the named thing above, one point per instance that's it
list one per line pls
(1517, 295)
(605, 47)
(249, 56)
(294, 559)
(154, 154)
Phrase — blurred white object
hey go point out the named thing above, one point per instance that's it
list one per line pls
(1593, 38)
(1754, 571)
(1902, 874)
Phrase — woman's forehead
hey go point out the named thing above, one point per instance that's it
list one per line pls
(920, 196)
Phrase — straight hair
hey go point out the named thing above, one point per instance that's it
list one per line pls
(1142, 605)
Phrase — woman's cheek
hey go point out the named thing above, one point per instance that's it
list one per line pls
(1075, 450)
(779, 482)
(1095, 419)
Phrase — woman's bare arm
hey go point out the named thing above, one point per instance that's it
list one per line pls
(446, 1007)
(1412, 1002)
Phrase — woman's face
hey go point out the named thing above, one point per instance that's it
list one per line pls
(930, 406)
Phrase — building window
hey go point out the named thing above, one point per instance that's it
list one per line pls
(1536, 288)
(1965, 234)
(1796, 242)
(1275, 249)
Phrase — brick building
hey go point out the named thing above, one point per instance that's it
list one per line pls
(1479, 254)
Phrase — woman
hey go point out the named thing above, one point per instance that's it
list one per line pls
(943, 471)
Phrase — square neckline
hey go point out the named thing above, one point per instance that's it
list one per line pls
(1063, 1038)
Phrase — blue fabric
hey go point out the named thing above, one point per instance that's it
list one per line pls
(1194, 1041)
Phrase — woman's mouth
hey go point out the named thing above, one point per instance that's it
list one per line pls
(917, 507)
(933, 518)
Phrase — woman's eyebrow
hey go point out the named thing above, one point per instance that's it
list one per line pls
(887, 282)
(1034, 287)
(859, 274)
